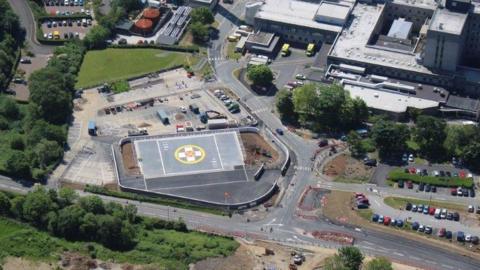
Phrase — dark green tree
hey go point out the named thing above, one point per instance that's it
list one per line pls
(17, 164)
(355, 144)
(17, 206)
(89, 226)
(471, 155)
(202, 15)
(351, 257)
(199, 32)
(430, 135)
(260, 75)
(36, 206)
(4, 204)
(285, 106)
(380, 263)
(69, 222)
(390, 138)
(92, 204)
(96, 37)
(305, 101)
(67, 196)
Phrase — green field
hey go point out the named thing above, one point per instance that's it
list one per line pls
(110, 65)
(162, 249)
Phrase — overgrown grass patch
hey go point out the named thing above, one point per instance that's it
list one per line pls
(397, 202)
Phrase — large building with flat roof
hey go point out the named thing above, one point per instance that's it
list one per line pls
(300, 21)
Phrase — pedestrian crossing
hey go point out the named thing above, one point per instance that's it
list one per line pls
(216, 59)
(303, 168)
(261, 110)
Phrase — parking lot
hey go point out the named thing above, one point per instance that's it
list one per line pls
(20, 90)
(66, 29)
(65, 7)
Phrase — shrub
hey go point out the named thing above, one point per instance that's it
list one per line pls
(398, 174)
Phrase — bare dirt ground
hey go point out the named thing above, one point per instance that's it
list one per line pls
(258, 150)
(129, 161)
(346, 168)
(252, 256)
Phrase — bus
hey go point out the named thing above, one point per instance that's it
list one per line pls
(310, 49)
(285, 49)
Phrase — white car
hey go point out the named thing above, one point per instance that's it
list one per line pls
(50, 35)
(45, 35)
(468, 238)
(183, 109)
(411, 158)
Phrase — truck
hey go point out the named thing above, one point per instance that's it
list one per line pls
(285, 49)
(310, 49)
(203, 117)
(92, 128)
(194, 108)
(217, 123)
(163, 117)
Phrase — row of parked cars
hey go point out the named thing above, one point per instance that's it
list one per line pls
(421, 186)
(65, 23)
(427, 229)
(438, 173)
(63, 3)
(461, 191)
(231, 105)
(438, 213)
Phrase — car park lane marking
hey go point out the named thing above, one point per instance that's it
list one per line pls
(161, 157)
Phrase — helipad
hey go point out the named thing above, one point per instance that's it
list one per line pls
(205, 153)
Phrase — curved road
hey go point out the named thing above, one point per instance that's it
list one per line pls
(287, 227)
(22, 9)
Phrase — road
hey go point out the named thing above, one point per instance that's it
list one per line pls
(281, 223)
(22, 9)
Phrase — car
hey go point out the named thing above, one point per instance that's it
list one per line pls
(418, 171)
(471, 209)
(70, 23)
(453, 191)
(45, 35)
(54, 24)
(471, 192)
(431, 211)
(64, 23)
(380, 219)
(323, 143)
(424, 172)
(409, 184)
(434, 189)
(386, 221)
(469, 175)
(462, 174)
(428, 229)
(399, 223)
(300, 77)
(358, 195)
(50, 35)
(414, 208)
(415, 226)
(79, 23)
(400, 184)
(465, 192)
(49, 24)
(420, 208)
(459, 191)
(448, 234)
(426, 210)
(375, 217)
(408, 206)
(77, 35)
(436, 173)
(412, 170)
(455, 174)
(468, 238)
(475, 240)
(183, 109)
(437, 213)
(448, 174)
(428, 188)
(449, 216)
(411, 158)
(25, 61)
(442, 174)
(478, 209)
(460, 236)
(421, 187)
(371, 162)
(421, 228)
(441, 232)
(279, 131)
(443, 214)
(405, 157)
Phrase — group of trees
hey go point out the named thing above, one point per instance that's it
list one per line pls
(322, 107)
(260, 75)
(350, 258)
(436, 140)
(11, 36)
(33, 135)
(201, 19)
(65, 215)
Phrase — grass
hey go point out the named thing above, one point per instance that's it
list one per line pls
(365, 213)
(399, 174)
(412, 145)
(358, 180)
(397, 202)
(164, 249)
(231, 53)
(111, 65)
(150, 199)
(120, 86)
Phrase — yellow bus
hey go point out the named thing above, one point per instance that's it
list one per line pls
(285, 49)
(310, 49)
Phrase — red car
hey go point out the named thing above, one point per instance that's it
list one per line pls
(441, 232)
(461, 174)
(412, 170)
(386, 221)
(359, 195)
(453, 191)
(431, 211)
(410, 184)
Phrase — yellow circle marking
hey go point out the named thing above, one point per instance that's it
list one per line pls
(190, 154)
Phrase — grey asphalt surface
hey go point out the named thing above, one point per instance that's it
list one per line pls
(286, 226)
(22, 9)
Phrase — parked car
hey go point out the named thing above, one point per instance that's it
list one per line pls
(428, 188)
(478, 209)
(471, 209)
(414, 208)
(468, 238)
(434, 189)
(448, 174)
(300, 77)
(323, 143)
(428, 229)
(443, 214)
(409, 184)
(424, 172)
(370, 162)
(449, 216)
(460, 236)
(426, 209)
(448, 234)
(399, 223)
(421, 187)
(431, 211)
(386, 221)
(475, 240)
(421, 228)
(25, 61)
(415, 226)
(408, 206)
(471, 192)
(437, 213)
(453, 191)
(411, 158)
(380, 219)
(441, 232)
(375, 217)
(279, 131)
(420, 208)
(400, 184)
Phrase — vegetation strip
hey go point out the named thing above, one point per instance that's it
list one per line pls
(400, 175)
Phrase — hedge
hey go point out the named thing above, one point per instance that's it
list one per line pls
(64, 17)
(157, 200)
(189, 49)
(398, 174)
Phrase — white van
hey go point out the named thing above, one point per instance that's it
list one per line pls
(443, 214)
(437, 213)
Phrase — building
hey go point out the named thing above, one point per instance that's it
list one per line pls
(262, 43)
(202, 3)
(299, 21)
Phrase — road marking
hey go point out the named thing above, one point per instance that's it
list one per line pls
(447, 266)
(161, 157)
(218, 150)
(399, 254)
(415, 258)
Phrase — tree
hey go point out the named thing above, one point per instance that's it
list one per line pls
(70, 219)
(260, 75)
(285, 105)
(380, 263)
(4, 204)
(351, 257)
(429, 134)
(305, 102)
(92, 204)
(67, 196)
(47, 152)
(89, 226)
(36, 206)
(390, 138)
(199, 32)
(355, 144)
(202, 15)
(17, 206)
(115, 234)
(458, 137)
(96, 37)
(16, 141)
(9, 108)
(334, 263)
(17, 164)
(471, 155)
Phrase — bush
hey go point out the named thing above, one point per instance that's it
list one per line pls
(398, 174)
(189, 49)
